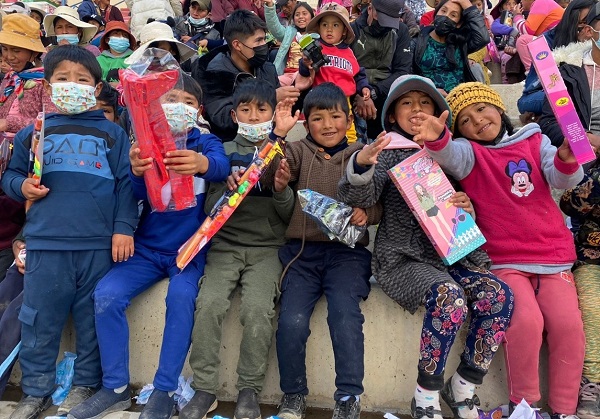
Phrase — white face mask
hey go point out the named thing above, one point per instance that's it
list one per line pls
(255, 132)
(181, 117)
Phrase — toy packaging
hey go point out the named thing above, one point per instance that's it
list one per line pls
(36, 153)
(426, 190)
(560, 101)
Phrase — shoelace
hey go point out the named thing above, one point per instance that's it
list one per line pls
(343, 408)
(589, 392)
(293, 402)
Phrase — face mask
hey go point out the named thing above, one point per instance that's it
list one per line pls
(377, 30)
(73, 98)
(596, 41)
(72, 38)
(118, 44)
(443, 25)
(255, 133)
(181, 117)
(260, 55)
(197, 22)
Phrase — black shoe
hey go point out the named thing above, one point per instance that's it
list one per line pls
(102, 403)
(30, 407)
(349, 409)
(159, 406)
(417, 412)
(247, 405)
(448, 396)
(199, 406)
(563, 416)
(76, 396)
(293, 406)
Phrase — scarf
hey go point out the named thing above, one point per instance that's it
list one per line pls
(16, 82)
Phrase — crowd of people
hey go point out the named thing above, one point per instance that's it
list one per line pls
(388, 79)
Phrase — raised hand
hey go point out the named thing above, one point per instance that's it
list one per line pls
(369, 153)
(282, 176)
(284, 120)
(428, 127)
(565, 153)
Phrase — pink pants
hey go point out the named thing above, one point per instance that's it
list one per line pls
(554, 310)
(521, 45)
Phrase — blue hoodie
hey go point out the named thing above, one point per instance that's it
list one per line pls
(167, 231)
(86, 168)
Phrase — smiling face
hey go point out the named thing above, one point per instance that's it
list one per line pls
(301, 18)
(16, 58)
(407, 106)
(480, 122)
(521, 181)
(328, 126)
(332, 30)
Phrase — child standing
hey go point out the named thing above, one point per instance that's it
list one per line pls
(315, 265)
(157, 240)
(82, 219)
(517, 169)
(244, 253)
(410, 271)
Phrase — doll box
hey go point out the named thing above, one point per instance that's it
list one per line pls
(426, 190)
(560, 101)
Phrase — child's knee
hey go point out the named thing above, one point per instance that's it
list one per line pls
(108, 299)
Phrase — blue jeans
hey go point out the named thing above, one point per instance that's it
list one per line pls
(342, 274)
(11, 298)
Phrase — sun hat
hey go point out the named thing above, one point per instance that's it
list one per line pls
(17, 7)
(116, 25)
(155, 32)
(332, 9)
(71, 16)
(466, 94)
(388, 12)
(21, 31)
(409, 83)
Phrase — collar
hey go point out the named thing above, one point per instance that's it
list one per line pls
(330, 150)
(341, 45)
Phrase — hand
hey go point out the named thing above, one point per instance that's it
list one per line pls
(203, 43)
(287, 92)
(464, 4)
(428, 127)
(517, 9)
(233, 180)
(17, 246)
(284, 120)
(366, 93)
(414, 31)
(258, 3)
(367, 156)
(32, 190)
(565, 154)
(186, 162)
(510, 50)
(269, 3)
(594, 141)
(364, 108)
(282, 176)
(139, 165)
(359, 217)
(462, 200)
(122, 247)
(307, 61)
(185, 38)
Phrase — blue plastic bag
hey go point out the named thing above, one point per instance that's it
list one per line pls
(64, 378)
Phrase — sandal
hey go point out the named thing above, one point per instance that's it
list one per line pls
(419, 412)
(448, 396)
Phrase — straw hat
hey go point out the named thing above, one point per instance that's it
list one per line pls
(21, 31)
(71, 16)
(155, 32)
(332, 9)
(116, 25)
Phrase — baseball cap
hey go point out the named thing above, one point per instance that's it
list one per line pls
(388, 12)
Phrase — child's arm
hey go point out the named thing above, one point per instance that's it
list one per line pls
(283, 195)
(363, 87)
(560, 166)
(138, 167)
(500, 29)
(273, 23)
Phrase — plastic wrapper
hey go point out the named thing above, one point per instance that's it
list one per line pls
(64, 378)
(524, 411)
(184, 392)
(144, 395)
(147, 85)
(332, 217)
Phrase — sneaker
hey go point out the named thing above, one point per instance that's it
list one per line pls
(417, 412)
(30, 407)
(589, 400)
(347, 409)
(562, 416)
(247, 405)
(105, 401)
(199, 406)
(159, 406)
(76, 396)
(293, 406)
(448, 396)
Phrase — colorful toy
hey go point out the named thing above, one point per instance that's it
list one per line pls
(228, 203)
(36, 152)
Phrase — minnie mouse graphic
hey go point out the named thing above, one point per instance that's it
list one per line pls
(520, 177)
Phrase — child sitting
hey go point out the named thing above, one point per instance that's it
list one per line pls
(410, 270)
(157, 240)
(244, 253)
(108, 101)
(81, 221)
(197, 27)
(508, 175)
(116, 45)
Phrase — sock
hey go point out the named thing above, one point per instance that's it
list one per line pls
(462, 390)
(120, 389)
(425, 398)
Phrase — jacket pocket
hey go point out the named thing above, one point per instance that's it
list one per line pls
(27, 316)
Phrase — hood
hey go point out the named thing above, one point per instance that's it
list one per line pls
(399, 141)
(572, 54)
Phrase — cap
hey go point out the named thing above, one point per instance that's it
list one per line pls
(388, 12)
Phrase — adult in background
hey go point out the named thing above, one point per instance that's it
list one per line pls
(108, 12)
(142, 10)
(64, 23)
(87, 8)
(286, 11)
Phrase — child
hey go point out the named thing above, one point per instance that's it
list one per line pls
(410, 270)
(244, 252)
(82, 219)
(157, 240)
(508, 175)
(197, 24)
(505, 36)
(108, 101)
(116, 45)
(333, 26)
(315, 265)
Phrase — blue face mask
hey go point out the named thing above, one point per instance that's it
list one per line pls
(198, 22)
(118, 44)
(72, 38)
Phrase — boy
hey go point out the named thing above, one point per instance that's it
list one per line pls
(315, 265)
(245, 56)
(108, 101)
(197, 23)
(157, 240)
(82, 219)
(244, 252)
(117, 43)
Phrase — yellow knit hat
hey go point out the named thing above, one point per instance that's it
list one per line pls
(466, 94)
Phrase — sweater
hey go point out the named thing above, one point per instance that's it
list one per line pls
(109, 62)
(86, 168)
(544, 15)
(263, 216)
(167, 231)
(522, 224)
(313, 168)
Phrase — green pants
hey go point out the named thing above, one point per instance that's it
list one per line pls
(257, 271)
(587, 279)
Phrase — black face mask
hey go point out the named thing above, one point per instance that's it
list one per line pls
(443, 25)
(377, 30)
(261, 53)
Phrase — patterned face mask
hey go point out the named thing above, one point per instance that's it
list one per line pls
(73, 98)
(181, 117)
(255, 132)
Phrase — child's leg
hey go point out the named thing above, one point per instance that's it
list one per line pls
(346, 284)
(300, 291)
(260, 281)
(587, 280)
(557, 298)
(523, 339)
(522, 42)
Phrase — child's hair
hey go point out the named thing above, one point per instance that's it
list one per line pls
(75, 54)
(192, 87)
(306, 6)
(255, 90)
(324, 97)
(109, 95)
(242, 24)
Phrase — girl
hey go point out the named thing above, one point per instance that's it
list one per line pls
(410, 271)
(530, 246)
(116, 45)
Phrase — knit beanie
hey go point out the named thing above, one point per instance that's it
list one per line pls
(466, 94)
